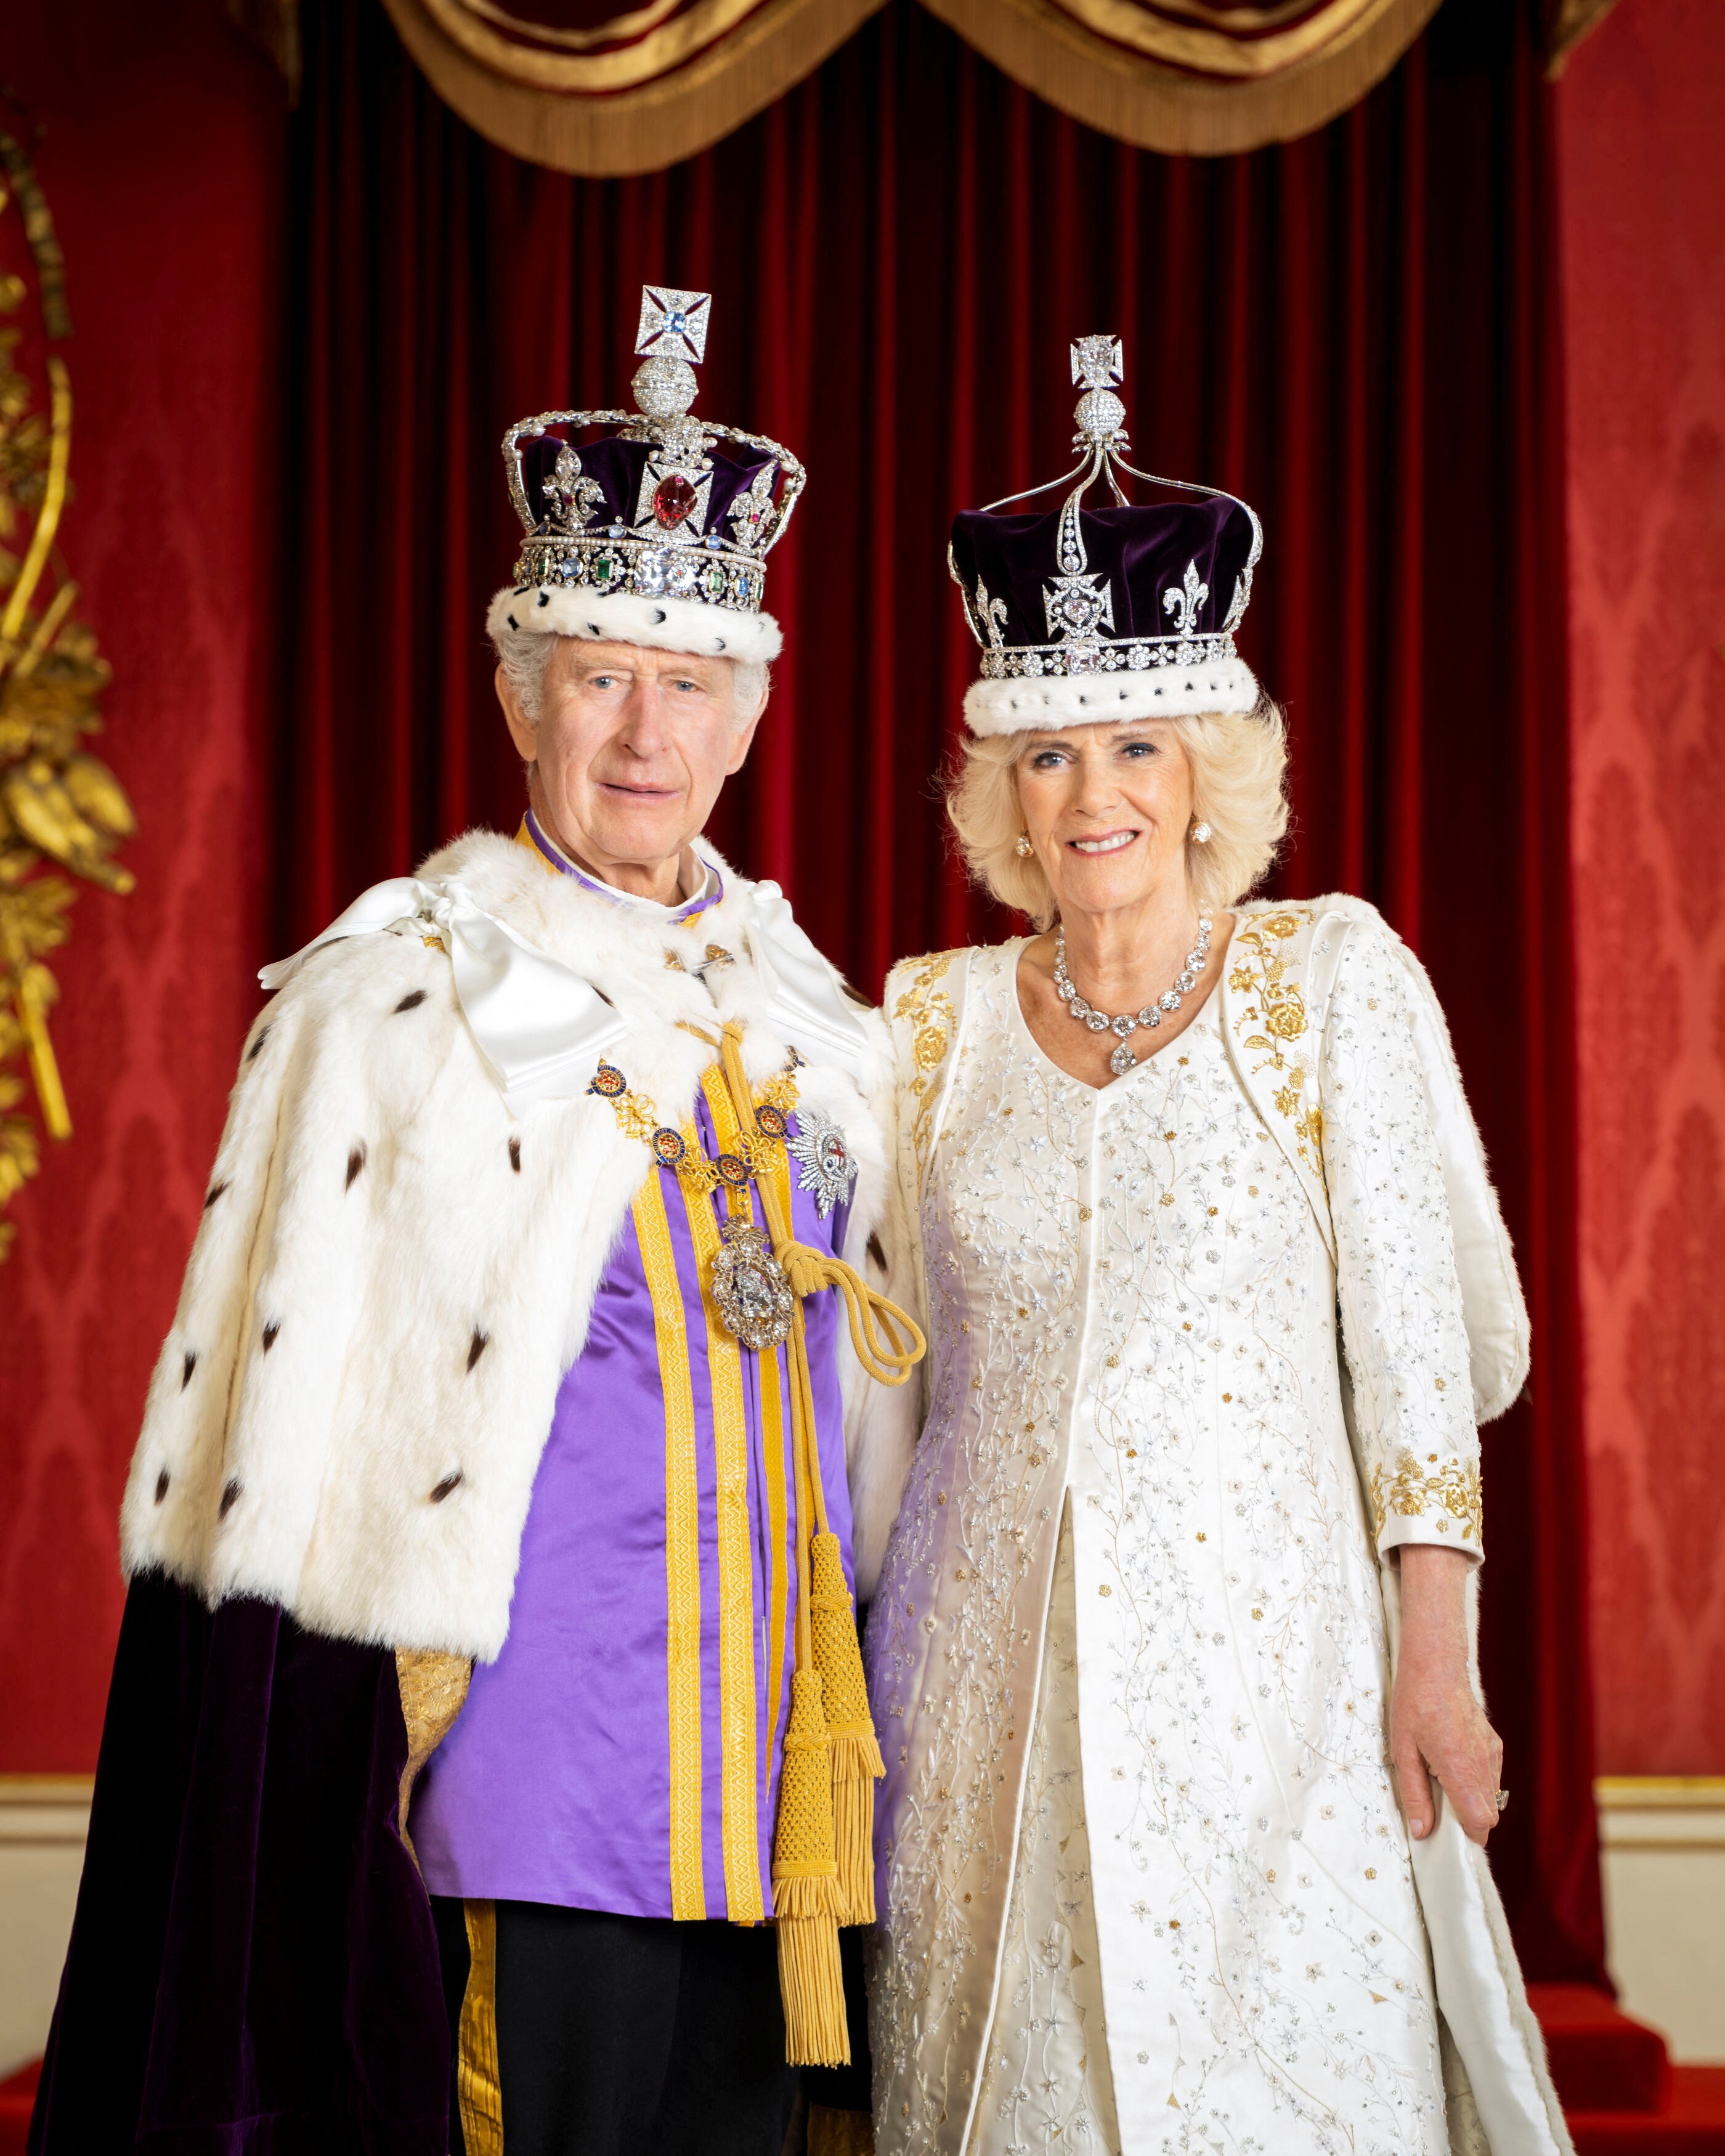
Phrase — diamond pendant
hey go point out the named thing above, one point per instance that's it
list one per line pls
(1123, 1060)
(749, 1285)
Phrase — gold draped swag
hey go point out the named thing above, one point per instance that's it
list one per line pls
(585, 86)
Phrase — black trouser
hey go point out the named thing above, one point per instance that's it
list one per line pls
(628, 2035)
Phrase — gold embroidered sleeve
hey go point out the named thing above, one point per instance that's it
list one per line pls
(1403, 1330)
(1442, 1496)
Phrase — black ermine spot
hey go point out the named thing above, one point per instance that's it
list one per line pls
(230, 1497)
(188, 1367)
(443, 1488)
(162, 1485)
(212, 1193)
(515, 1155)
(411, 1001)
(877, 1252)
(477, 1346)
(251, 1054)
(270, 1330)
(355, 1161)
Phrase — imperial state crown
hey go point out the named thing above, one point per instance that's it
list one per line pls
(1120, 612)
(657, 531)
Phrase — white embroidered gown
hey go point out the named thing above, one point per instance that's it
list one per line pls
(1145, 1887)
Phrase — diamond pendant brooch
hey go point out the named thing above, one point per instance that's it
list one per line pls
(1122, 1059)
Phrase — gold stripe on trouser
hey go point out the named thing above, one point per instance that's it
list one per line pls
(682, 1549)
(744, 1903)
(478, 2089)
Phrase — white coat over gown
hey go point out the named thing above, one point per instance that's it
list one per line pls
(1144, 1883)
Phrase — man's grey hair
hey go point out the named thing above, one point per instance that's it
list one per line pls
(524, 655)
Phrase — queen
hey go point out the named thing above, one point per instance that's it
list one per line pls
(1189, 1779)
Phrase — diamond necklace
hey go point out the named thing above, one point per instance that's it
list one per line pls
(1185, 981)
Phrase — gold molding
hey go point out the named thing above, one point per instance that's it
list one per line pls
(46, 1788)
(1652, 1792)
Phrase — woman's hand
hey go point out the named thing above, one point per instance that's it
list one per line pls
(1436, 1726)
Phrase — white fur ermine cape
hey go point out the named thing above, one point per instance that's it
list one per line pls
(393, 1273)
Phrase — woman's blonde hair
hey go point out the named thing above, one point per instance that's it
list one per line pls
(1238, 762)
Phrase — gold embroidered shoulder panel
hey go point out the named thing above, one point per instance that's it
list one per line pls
(1273, 1023)
(926, 1008)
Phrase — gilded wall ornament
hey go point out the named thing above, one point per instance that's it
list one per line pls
(60, 805)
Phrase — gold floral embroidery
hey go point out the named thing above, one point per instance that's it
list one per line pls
(929, 1010)
(1417, 1487)
(1262, 971)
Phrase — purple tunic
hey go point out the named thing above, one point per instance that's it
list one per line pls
(555, 1783)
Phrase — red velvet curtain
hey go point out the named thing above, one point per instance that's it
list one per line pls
(1357, 331)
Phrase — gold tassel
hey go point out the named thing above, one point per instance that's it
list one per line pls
(857, 1764)
(805, 1888)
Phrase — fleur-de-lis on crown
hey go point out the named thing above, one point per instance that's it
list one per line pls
(570, 496)
(992, 614)
(752, 512)
(1184, 603)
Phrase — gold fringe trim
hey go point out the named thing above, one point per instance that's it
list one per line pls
(805, 1888)
(642, 129)
(856, 1761)
(853, 1779)
(1157, 106)
(1183, 90)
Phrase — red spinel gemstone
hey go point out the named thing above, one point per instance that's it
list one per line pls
(673, 501)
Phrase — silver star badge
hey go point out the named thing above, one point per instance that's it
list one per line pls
(824, 1159)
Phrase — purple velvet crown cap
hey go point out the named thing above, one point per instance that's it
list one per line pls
(1120, 612)
(657, 531)
(617, 466)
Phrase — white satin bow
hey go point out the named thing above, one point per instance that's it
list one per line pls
(540, 1027)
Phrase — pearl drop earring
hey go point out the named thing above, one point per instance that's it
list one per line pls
(1022, 845)
(1201, 834)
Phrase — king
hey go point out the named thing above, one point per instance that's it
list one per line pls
(488, 1761)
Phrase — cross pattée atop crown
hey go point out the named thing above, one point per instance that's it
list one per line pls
(1097, 364)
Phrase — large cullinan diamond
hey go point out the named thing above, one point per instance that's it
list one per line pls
(672, 500)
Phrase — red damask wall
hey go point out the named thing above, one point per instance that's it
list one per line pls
(161, 150)
(1643, 216)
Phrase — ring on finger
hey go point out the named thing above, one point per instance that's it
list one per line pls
(1501, 1798)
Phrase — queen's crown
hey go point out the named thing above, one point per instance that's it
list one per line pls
(1154, 590)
